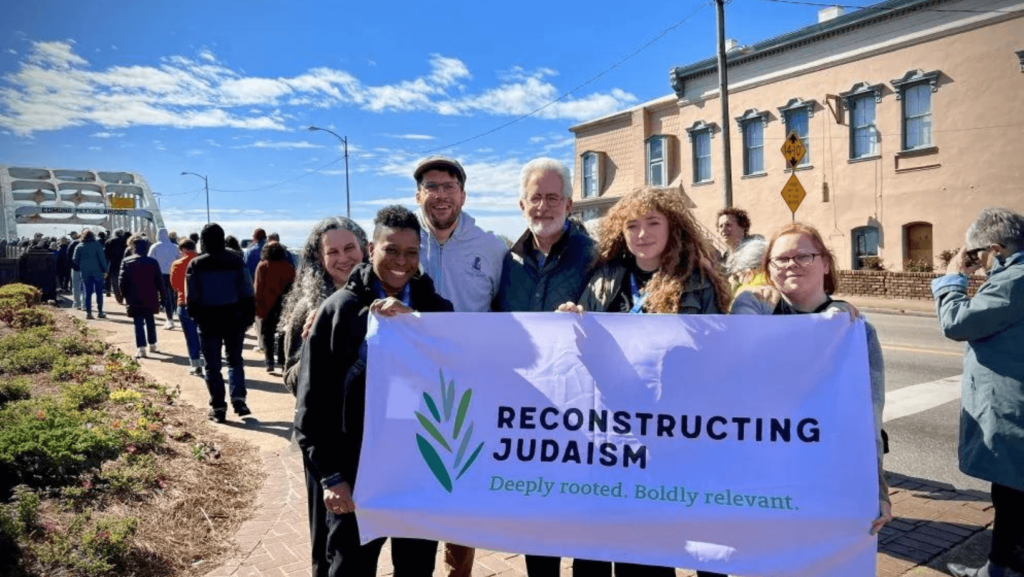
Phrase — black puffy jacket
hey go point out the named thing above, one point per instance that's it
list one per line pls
(526, 286)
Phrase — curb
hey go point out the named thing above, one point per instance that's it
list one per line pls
(904, 312)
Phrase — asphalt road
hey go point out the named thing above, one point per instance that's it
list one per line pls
(922, 422)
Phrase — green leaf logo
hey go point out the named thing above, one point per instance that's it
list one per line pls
(442, 430)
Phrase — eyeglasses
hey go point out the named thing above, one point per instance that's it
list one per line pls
(802, 259)
(434, 187)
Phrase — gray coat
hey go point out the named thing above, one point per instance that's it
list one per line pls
(992, 390)
(526, 286)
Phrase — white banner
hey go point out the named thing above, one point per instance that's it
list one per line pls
(743, 445)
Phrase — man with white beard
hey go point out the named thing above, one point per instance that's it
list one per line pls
(464, 262)
(551, 263)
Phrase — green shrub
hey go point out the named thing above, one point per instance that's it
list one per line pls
(918, 265)
(24, 339)
(16, 389)
(125, 396)
(44, 443)
(89, 394)
(68, 369)
(87, 548)
(109, 540)
(8, 307)
(77, 345)
(132, 473)
(28, 294)
(30, 360)
(31, 317)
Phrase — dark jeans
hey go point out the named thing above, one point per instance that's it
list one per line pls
(317, 522)
(410, 557)
(115, 281)
(211, 344)
(191, 331)
(541, 566)
(1008, 527)
(169, 298)
(146, 318)
(93, 284)
(587, 568)
(268, 328)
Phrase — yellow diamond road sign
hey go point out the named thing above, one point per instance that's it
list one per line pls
(793, 149)
(793, 193)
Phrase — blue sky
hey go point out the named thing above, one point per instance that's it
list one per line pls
(227, 89)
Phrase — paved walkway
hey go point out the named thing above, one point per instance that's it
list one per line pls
(934, 523)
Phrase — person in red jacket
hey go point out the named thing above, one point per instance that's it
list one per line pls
(274, 277)
(187, 250)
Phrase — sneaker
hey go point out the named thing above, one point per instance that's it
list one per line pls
(168, 325)
(270, 369)
(241, 409)
(101, 315)
(196, 371)
(88, 316)
(219, 415)
(153, 348)
(141, 353)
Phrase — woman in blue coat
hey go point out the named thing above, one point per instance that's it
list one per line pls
(92, 264)
(992, 391)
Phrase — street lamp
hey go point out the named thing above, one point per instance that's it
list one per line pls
(206, 184)
(344, 144)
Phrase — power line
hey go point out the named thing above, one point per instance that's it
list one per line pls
(883, 8)
(285, 181)
(574, 90)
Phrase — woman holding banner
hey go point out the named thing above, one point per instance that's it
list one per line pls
(802, 276)
(651, 259)
(335, 246)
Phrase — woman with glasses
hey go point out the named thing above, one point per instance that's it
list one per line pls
(651, 259)
(802, 276)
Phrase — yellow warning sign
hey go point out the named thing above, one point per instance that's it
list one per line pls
(793, 149)
(793, 193)
(122, 202)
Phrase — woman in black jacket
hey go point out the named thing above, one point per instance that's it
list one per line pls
(332, 391)
(652, 259)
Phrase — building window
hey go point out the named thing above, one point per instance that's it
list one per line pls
(590, 214)
(656, 161)
(798, 121)
(917, 117)
(863, 134)
(591, 182)
(865, 248)
(915, 91)
(753, 147)
(701, 155)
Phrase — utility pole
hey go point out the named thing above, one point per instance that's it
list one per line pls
(723, 93)
(344, 144)
(206, 185)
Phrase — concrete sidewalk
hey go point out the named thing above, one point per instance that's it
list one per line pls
(934, 523)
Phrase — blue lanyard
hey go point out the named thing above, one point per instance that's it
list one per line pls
(405, 296)
(638, 296)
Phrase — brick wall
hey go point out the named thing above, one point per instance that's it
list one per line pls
(893, 285)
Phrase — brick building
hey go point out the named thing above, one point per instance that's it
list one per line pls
(909, 110)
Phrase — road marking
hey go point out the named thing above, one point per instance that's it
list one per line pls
(913, 349)
(918, 398)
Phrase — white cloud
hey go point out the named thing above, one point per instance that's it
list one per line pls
(95, 148)
(411, 136)
(107, 134)
(12, 51)
(281, 144)
(55, 88)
